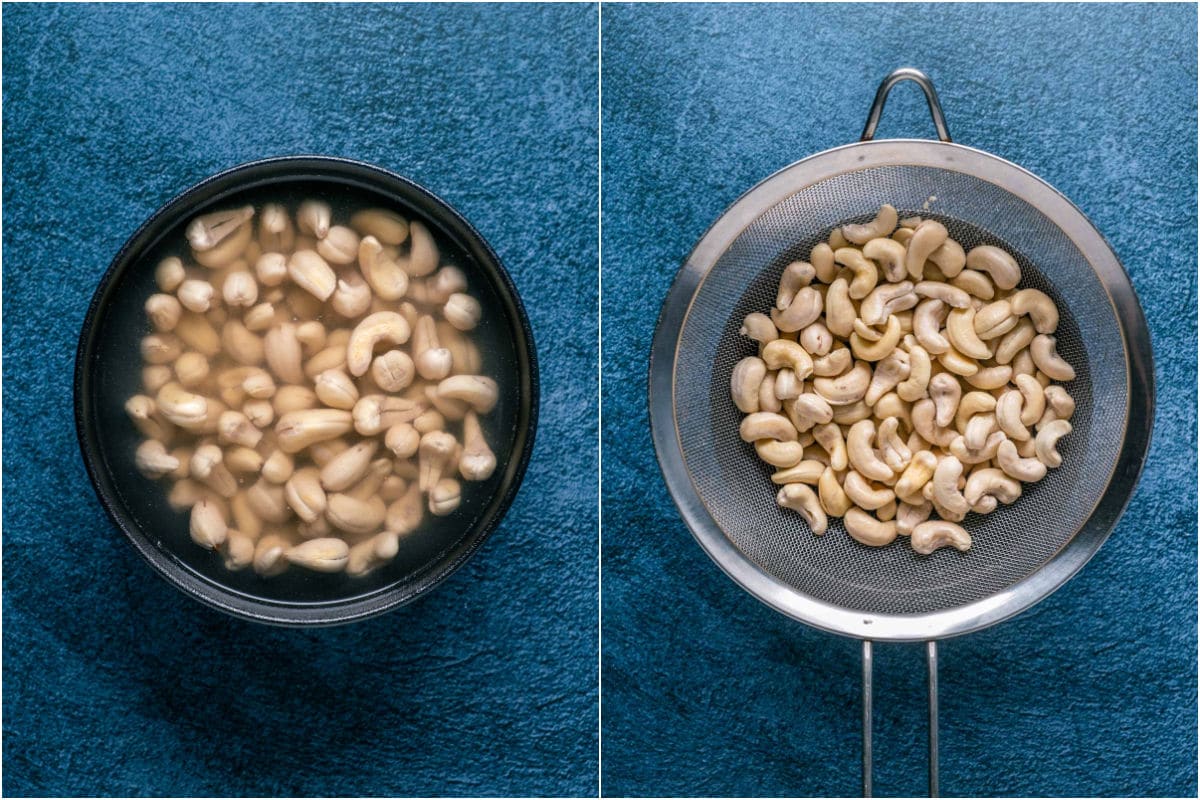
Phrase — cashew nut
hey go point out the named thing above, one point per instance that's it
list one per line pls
(889, 255)
(866, 274)
(1047, 440)
(1026, 470)
(1002, 267)
(948, 294)
(382, 326)
(802, 500)
(863, 495)
(930, 536)
(987, 486)
(844, 389)
(960, 329)
(745, 381)
(866, 529)
(885, 300)
(882, 225)
(944, 485)
(1038, 307)
(928, 237)
(759, 327)
(802, 311)
(877, 350)
(784, 353)
(1047, 359)
(949, 258)
(796, 276)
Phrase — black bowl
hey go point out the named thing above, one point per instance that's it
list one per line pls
(108, 372)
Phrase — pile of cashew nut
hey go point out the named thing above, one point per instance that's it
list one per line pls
(310, 388)
(898, 376)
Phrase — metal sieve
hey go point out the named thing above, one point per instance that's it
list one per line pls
(1021, 553)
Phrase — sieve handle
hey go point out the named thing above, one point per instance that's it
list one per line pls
(920, 79)
(867, 751)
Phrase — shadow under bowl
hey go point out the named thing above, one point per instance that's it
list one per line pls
(108, 372)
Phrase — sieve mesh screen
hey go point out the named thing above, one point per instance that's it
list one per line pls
(1009, 544)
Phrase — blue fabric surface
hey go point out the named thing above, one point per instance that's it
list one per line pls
(114, 683)
(705, 691)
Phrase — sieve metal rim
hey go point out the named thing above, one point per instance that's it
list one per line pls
(1139, 376)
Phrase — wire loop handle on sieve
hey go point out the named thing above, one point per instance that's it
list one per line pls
(881, 95)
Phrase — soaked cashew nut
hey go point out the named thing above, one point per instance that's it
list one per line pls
(863, 495)
(935, 534)
(868, 530)
(989, 378)
(1008, 415)
(845, 389)
(1047, 440)
(383, 274)
(836, 362)
(885, 300)
(889, 255)
(866, 274)
(918, 473)
(949, 258)
(882, 225)
(986, 487)
(927, 323)
(1038, 307)
(807, 471)
(802, 500)
(816, 339)
(833, 497)
(878, 350)
(759, 327)
(896, 454)
(767, 425)
(796, 276)
(804, 310)
(1033, 398)
(808, 410)
(386, 226)
(916, 385)
(950, 295)
(312, 273)
(1015, 341)
(784, 353)
(1061, 403)
(995, 262)
(821, 257)
(926, 238)
(946, 393)
(861, 453)
(945, 486)
(1047, 359)
(423, 256)
(910, 515)
(960, 330)
(995, 320)
(1026, 470)
(382, 326)
(779, 454)
(977, 284)
(829, 436)
(888, 373)
(840, 311)
(745, 382)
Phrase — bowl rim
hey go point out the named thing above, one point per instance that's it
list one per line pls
(282, 169)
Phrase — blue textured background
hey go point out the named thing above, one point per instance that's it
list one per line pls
(113, 682)
(706, 691)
